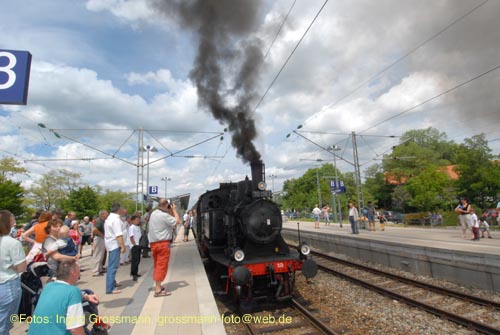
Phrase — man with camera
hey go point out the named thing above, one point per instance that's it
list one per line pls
(162, 223)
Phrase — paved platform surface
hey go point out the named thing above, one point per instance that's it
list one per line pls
(445, 238)
(191, 308)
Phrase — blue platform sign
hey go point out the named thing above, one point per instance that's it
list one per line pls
(335, 189)
(14, 76)
(153, 190)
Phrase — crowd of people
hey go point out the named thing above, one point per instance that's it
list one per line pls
(354, 217)
(467, 218)
(116, 239)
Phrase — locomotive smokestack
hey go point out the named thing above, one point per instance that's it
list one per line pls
(258, 173)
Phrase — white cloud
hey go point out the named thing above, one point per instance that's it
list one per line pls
(414, 89)
(131, 10)
(163, 76)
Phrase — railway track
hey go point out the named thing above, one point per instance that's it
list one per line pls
(475, 313)
(293, 316)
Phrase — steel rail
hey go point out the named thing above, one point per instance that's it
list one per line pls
(471, 324)
(431, 287)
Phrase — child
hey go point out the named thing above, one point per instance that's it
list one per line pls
(134, 233)
(64, 244)
(74, 233)
(474, 224)
(382, 220)
(485, 227)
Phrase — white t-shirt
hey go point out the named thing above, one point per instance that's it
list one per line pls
(112, 229)
(11, 253)
(353, 211)
(316, 211)
(474, 223)
(134, 231)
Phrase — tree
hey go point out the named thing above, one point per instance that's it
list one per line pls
(53, 189)
(11, 196)
(417, 150)
(479, 176)
(108, 197)
(376, 188)
(427, 189)
(400, 197)
(84, 201)
(302, 193)
(10, 166)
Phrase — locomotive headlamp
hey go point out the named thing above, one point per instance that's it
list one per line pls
(304, 249)
(239, 255)
(261, 186)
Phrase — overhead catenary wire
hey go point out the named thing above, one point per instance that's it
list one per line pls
(25, 160)
(279, 30)
(433, 98)
(397, 61)
(290, 56)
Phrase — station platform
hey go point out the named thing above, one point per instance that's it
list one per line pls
(190, 309)
(434, 252)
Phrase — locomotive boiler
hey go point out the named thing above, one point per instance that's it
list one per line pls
(238, 228)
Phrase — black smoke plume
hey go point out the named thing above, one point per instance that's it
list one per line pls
(227, 63)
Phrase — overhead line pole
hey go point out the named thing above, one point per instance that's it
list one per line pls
(357, 173)
(140, 171)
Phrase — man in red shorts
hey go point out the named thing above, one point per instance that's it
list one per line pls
(162, 223)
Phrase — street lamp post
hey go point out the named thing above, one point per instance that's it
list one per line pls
(319, 188)
(334, 148)
(148, 148)
(166, 179)
(272, 179)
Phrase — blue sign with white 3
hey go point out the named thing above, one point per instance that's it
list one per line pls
(14, 76)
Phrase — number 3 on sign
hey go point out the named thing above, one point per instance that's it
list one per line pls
(7, 69)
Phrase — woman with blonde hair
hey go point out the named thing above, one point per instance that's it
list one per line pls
(40, 235)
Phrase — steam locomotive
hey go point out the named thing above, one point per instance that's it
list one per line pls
(238, 227)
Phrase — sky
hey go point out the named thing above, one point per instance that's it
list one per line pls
(213, 85)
